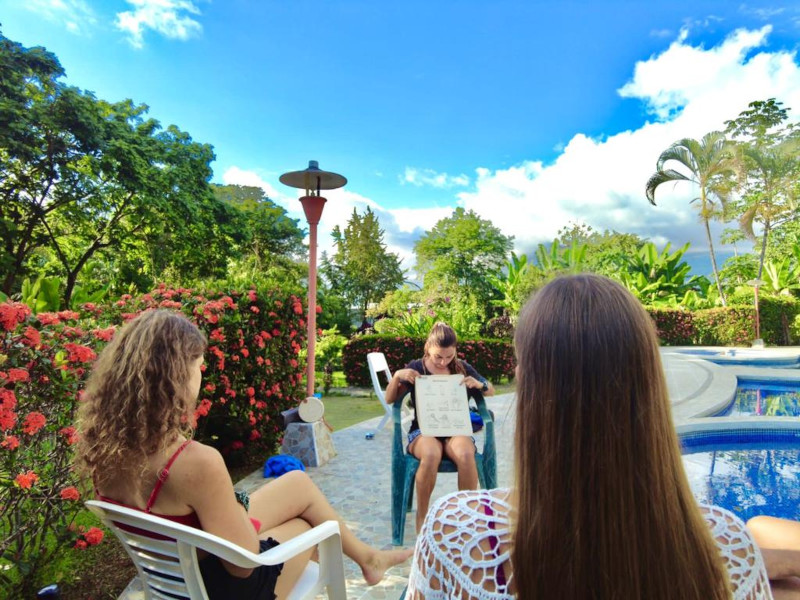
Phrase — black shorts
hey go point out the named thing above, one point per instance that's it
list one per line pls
(221, 585)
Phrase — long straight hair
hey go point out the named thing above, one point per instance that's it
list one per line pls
(604, 509)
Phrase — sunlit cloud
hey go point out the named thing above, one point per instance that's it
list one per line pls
(170, 18)
(429, 177)
(76, 15)
(687, 89)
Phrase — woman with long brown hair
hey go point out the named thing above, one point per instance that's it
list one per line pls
(135, 445)
(601, 507)
(439, 358)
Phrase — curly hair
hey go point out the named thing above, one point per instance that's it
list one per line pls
(137, 399)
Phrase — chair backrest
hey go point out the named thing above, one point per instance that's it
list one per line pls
(165, 554)
(377, 364)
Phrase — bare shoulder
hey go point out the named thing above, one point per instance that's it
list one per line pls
(200, 465)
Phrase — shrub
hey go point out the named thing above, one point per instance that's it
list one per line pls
(43, 362)
(494, 359)
(729, 326)
(252, 373)
(675, 327)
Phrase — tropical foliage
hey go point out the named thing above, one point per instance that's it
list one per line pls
(710, 165)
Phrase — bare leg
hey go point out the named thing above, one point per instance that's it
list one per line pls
(429, 452)
(461, 450)
(295, 495)
(292, 569)
(786, 589)
(779, 540)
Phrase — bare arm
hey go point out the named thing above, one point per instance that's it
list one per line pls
(398, 386)
(204, 483)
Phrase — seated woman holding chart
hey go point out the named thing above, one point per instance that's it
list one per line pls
(439, 359)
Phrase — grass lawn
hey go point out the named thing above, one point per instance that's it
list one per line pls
(344, 410)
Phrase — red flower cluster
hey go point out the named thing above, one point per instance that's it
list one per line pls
(70, 493)
(26, 480)
(33, 423)
(90, 538)
(70, 433)
(104, 334)
(79, 353)
(12, 313)
(11, 442)
(18, 375)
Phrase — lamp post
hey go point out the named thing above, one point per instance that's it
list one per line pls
(758, 342)
(313, 180)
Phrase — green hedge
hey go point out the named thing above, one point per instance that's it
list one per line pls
(494, 359)
(674, 327)
(733, 325)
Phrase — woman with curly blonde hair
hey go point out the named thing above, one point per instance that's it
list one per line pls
(136, 424)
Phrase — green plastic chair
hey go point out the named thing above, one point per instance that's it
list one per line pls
(404, 466)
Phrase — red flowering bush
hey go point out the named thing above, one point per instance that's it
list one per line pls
(252, 374)
(494, 359)
(675, 327)
(252, 371)
(43, 363)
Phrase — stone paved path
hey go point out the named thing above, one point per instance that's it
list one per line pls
(358, 484)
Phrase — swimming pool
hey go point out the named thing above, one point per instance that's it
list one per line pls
(773, 398)
(749, 357)
(750, 472)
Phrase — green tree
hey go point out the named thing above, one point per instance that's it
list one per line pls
(463, 251)
(510, 286)
(271, 241)
(82, 177)
(710, 164)
(769, 151)
(361, 269)
(606, 252)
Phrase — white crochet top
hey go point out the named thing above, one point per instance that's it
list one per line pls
(450, 560)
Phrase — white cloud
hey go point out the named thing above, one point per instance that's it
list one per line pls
(167, 17)
(420, 177)
(76, 15)
(691, 91)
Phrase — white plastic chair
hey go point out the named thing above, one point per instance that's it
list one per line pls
(377, 364)
(169, 568)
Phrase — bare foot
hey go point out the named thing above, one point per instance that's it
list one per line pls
(383, 560)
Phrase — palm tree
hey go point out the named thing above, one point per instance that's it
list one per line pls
(712, 167)
(773, 197)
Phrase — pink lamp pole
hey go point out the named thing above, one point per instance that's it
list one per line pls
(312, 180)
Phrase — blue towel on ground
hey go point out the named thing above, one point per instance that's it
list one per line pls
(281, 463)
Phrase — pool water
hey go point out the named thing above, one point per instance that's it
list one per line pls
(748, 477)
(770, 399)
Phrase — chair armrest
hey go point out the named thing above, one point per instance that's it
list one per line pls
(291, 548)
(480, 402)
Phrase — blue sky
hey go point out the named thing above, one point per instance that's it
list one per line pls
(533, 114)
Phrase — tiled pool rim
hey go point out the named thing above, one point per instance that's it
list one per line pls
(693, 441)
